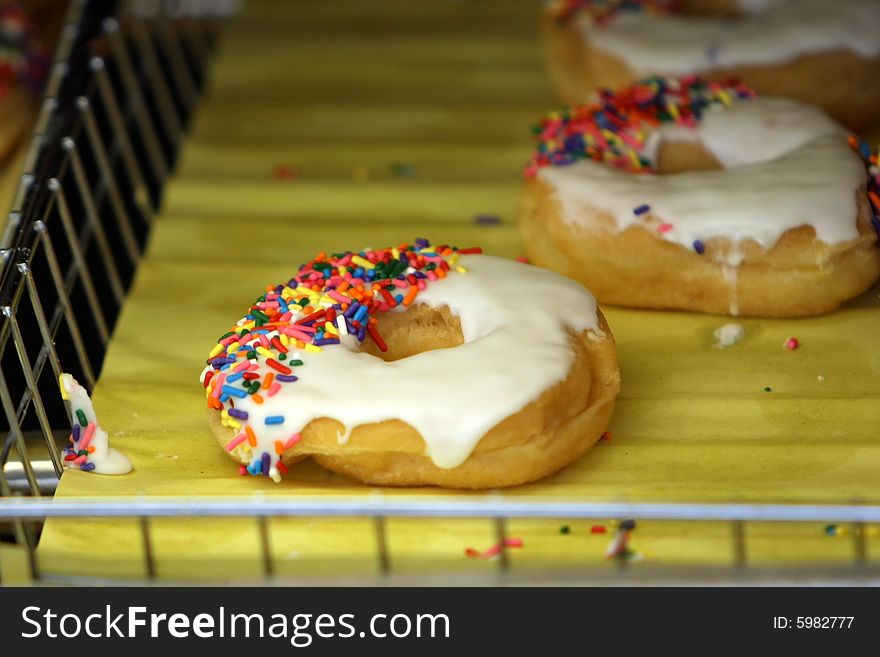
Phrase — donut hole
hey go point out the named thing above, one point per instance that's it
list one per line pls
(681, 156)
(413, 331)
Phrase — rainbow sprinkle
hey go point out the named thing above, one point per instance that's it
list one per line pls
(614, 127)
(79, 447)
(23, 58)
(331, 297)
(599, 12)
(871, 164)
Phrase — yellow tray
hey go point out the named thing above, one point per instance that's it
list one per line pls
(450, 89)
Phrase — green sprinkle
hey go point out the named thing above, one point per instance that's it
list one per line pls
(565, 529)
(768, 389)
(82, 418)
(282, 356)
(225, 335)
(254, 387)
(83, 452)
(251, 354)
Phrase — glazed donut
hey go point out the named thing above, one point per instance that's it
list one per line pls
(415, 365)
(683, 194)
(821, 52)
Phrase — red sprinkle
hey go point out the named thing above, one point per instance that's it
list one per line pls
(598, 529)
(606, 436)
(275, 365)
(377, 338)
(792, 344)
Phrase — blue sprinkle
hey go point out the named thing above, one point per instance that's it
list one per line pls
(487, 219)
(699, 247)
(87, 467)
(232, 378)
(224, 398)
(241, 415)
(320, 342)
(274, 419)
(265, 463)
(286, 378)
(642, 209)
(221, 360)
(75, 433)
(234, 392)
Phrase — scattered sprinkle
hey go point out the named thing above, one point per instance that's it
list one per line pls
(699, 247)
(792, 344)
(494, 550)
(606, 436)
(284, 172)
(820, 378)
(360, 173)
(642, 209)
(486, 219)
(565, 529)
(768, 389)
(403, 170)
(523, 259)
(598, 529)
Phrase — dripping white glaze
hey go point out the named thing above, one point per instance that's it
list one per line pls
(106, 459)
(728, 335)
(772, 32)
(452, 396)
(787, 166)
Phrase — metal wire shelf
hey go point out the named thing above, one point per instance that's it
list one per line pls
(124, 83)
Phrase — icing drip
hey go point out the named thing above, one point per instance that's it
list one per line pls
(728, 335)
(781, 31)
(89, 445)
(507, 359)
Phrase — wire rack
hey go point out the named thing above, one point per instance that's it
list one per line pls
(122, 88)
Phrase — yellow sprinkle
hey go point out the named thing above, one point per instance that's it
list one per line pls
(453, 259)
(326, 301)
(285, 339)
(61, 385)
(395, 252)
(366, 264)
(725, 98)
(313, 348)
(231, 348)
(341, 271)
(224, 414)
(672, 109)
(232, 423)
(461, 269)
(265, 352)
(216, 350)
(635, 159)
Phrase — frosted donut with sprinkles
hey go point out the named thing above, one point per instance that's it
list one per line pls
(418, 364)
(818, 51)
(696, 195)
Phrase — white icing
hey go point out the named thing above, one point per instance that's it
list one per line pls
(514, 320)
(779, 32)
(106, 459)
(728, 335)
(789, 166)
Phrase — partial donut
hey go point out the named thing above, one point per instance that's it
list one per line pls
(821, 52)
(415, 365)
(693, 195)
